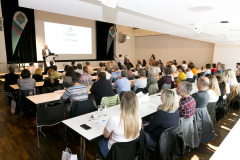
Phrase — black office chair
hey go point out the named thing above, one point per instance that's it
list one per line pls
(48, 116)
(130, 78)
(127, 150)
(144, 90)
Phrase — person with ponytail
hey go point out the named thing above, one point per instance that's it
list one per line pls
(182, 74)
(124, 127)
(51, 82)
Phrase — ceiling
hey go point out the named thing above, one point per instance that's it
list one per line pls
(174, 17)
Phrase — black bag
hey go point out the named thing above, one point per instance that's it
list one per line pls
(221, 111)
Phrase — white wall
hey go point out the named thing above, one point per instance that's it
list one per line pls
(41, 17)
(167, 48)
(3, 57)
(227, 54)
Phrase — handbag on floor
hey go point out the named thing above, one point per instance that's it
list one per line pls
(67, 155)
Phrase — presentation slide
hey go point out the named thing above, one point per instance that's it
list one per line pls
(68, 39)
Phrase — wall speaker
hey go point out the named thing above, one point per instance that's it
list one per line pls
(122, 37)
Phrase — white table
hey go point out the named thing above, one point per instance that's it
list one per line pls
(229, 148)
(97, 126)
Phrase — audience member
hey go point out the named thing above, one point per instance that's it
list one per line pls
(115, 74)
(79, 69)
(67, 80)
(108, 72)
(162, 67)
(129, 63)
(108, 65)
(38, 75)
(129, 72)
(144, 63)
(187, 104)
(101, 88)
(124, 127)
(182, 74)
(136, 70)
(56, 73)
(208, 70)
(101, 68)
(217, 73)
(77, 92)
(26, 83)
(10, 79)
(51, 81)
(174, 68)
(152, 84)
(65, 70)
(73, 65)
(50, 67)
(122, 84)
(120, 66)
(158, 70)
(167, 116)
(175, 62)
(202, 97)
(165, 79)
(213, 89)
(31, 68)
(141, 82)
(184, 65)
(90, 69)
(189, 74)
(194, 70)
(231, 78)
(86, 78)
(213, 68)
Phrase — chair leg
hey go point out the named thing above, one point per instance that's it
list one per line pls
(38, 139)
(42, 132)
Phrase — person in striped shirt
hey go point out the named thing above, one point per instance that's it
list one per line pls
(86, 78)
(77, 92)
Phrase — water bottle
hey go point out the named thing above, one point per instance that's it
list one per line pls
(202, 68)
(105, 110)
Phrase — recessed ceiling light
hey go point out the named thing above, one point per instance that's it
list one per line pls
(224, 21)
(200, 8)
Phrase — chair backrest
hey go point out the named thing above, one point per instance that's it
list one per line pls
(130, 78)
(211, 107)
(110, 101)
(166, 86)
(22, 103)
(191, 80)
(171, 142)
(129, 150)
(144, 90)
(47, 116)
(82, 107)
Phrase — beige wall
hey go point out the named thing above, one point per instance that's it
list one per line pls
(227, 54)
(167, 47)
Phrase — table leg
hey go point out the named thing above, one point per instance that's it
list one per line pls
(82, 148)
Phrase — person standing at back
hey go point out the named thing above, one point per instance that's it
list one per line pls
(121, 59)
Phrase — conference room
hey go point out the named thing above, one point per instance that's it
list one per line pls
(93, 36)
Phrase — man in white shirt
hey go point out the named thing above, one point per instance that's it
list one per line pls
(174, 68)
(121, 59)
(184, 65)
(31, 68)
(108, 73)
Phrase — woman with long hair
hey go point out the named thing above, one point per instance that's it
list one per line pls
(167, 116)
(38, 75)
(213, 89)
(124, 127)
(51, 81)
(182, 74)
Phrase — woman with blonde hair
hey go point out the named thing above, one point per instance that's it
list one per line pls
(167, 116)
(51, 82)
(213, 89)
(38, 75)
(124, 127)
(233, 83)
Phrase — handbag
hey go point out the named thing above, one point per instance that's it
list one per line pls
(67, 155)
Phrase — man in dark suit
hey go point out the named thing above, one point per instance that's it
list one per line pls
(45, 53)
(10, 79)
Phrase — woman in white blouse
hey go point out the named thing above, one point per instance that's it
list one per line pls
(124, 127)
(141, 82)
(208, 70)
(214, 90)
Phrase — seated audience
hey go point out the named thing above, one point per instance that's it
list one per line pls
(129, 72)
(223, 88)
(217, 73)
(213, 68)
(175, 62)
(51, 81)
(108, 65)
(90, 69)
(38, 75)
(158, 70)
(141, 82)
(79, 69)
(152, 84)
(144, 63)
(194, 70)
(223, 68)
(124, 127)
(184, 65)
(115, 74)
(187, 104)
(136, 70)
(73, 65)
(56, 73)
(128, 63)
(122, 84)
(165, 79)
(108, 72)
(213, 89)
(65, 70)
(10, 78)
(162, 67)
(202, 97)
(77, 92)
(67, 80)
(31, 68)
(26, 83)
(101, 88)
(167, 116)
(120, 66)
(86, 78)
(182, 74)
(101, 68)
(238, 75)
(174, 68)
(50, 67)
(208, 70)
(189, 75)
(231, 78)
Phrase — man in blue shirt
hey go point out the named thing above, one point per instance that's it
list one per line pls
(122, 84)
